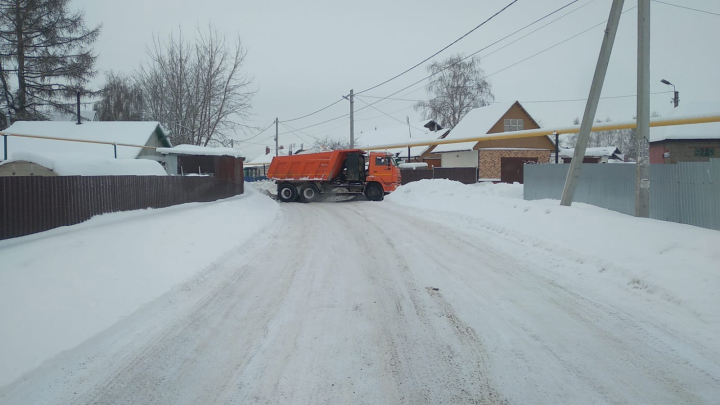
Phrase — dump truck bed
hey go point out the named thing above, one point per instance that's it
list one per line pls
(320, 166)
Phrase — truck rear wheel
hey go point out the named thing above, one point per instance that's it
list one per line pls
(310, 193)
(287, 192)
(374, 192)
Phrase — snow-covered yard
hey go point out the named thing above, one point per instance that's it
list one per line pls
(61, 287)
(443, 293)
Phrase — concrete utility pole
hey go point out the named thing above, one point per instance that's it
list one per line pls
(410, 132)
(352, 120)
(642, 169)
(276, 136)
(592, 103)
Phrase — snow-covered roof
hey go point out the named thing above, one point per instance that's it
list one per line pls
(693, 131)
(399, 134)
(127, 132)
(266, 159)
(201, 151)
(413, 165)
(78, 164)
(476, 123)
(603, 151)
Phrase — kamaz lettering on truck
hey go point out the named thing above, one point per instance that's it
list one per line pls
(353, 171)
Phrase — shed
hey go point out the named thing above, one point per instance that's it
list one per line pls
(687, 143)
(194, 159)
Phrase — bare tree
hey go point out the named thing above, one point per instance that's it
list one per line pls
(197, 90)
(45, 56)
(623, 139)
(456, 87)
(122, 99)
(331, 143)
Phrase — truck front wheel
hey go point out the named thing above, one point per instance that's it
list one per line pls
(287, 192)
(374, 192)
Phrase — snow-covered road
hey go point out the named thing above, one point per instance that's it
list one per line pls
(370, 303)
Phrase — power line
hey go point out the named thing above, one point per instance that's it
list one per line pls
(389, 98)
(314, 112)
(585, 99)
(687, 8)
(553, 46)
(484, 48)
(293, 130)
(408, 70)
(531, 32)
(400, 121)
(259, 133)
(449, 66)
(446, 47)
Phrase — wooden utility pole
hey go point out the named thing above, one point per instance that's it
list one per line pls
(276, 136)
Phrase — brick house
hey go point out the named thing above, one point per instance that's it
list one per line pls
(496, 160)
(686, 143)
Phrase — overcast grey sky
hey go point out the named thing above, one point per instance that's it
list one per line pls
(304, 55)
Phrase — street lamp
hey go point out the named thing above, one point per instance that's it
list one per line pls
(676, 98)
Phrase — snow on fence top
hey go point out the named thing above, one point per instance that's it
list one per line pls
(200, 151)
(125, 132)
(692, 131)
(77, 164)
(603, 151)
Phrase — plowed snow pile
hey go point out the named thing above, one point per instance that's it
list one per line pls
(662, 260)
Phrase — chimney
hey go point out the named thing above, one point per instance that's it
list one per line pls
(78, 109)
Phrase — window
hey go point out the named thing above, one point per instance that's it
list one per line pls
(514, 125)
(381, 161)
(704, 151)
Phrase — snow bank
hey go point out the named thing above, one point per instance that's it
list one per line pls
(672, 262)
(78, 164)
(63, 286)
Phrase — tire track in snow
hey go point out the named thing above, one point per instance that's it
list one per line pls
(634, 344)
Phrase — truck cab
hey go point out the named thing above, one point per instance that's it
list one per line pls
(382, 169)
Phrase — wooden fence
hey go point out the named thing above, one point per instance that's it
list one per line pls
(466, 175)
(35, 204)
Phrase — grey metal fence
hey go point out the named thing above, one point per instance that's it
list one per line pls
(687, 193)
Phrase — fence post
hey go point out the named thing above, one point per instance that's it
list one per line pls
(115, 149)
(4, 147)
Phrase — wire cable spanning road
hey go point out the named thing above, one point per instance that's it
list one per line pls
(363, 303)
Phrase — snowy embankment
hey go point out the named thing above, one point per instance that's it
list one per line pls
(677, 264)
(60, 287)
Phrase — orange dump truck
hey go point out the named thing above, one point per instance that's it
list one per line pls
(350, 171)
